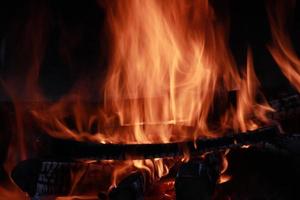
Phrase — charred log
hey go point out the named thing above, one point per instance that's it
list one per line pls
(131, 188)
(53, 177)
(197, 179)
(39, 178)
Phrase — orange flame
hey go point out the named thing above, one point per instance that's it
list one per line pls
(281, 47)
(171, 71)
(248, 108)
(169, 64)
(223, 176)
(165, 74)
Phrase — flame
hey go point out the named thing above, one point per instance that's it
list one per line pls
(223, 176)
(169, 63)
(281, 47)
(165, 66)
(165, 74)
(9, 191)
(248, 107)
(154, 169)
(171, 71)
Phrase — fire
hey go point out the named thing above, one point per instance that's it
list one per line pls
(248, 109)
(223, 176)
(165, 73)
(11, 192)
(281, 47)
(170, 67)
(167, 64)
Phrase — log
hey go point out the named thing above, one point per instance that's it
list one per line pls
(197, 179)
(130, 188)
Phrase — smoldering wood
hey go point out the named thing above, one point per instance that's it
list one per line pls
(70, 149)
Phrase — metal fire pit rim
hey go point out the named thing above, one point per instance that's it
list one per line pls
(70, 149)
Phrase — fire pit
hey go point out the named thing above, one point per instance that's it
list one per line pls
(150, 100)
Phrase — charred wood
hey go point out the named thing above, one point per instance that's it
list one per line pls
(131, 188)
(40, 178)
(197, 179)
(53, 177)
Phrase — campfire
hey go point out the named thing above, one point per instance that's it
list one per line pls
(148, 99)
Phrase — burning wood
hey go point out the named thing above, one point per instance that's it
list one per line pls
(56, 177)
